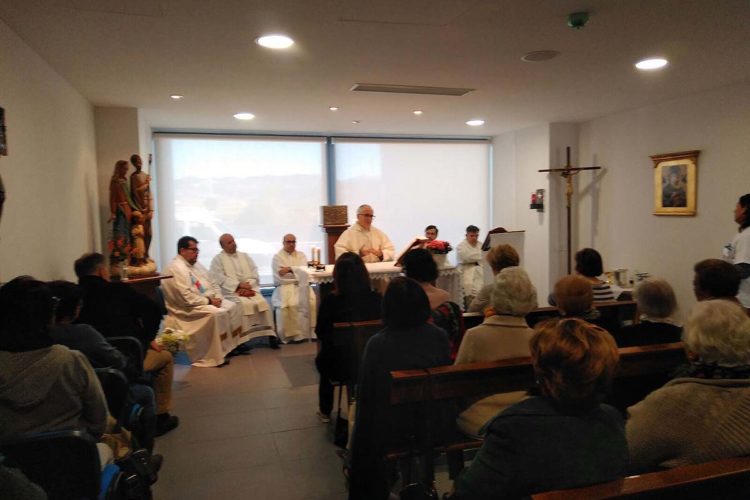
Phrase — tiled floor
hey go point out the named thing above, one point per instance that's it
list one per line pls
(246, 432)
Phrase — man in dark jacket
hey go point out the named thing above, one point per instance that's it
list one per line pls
(115, 309)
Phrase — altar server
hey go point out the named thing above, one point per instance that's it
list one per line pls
(470, 260)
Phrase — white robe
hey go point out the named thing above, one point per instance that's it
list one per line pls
(356, 237)
(228, 271)
(212, 331)
(470, 260)
(293, 322)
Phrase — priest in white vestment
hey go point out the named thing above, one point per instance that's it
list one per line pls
(369, 242)
(195, 306)
(237, 276)
(470, 260)
(295, 322)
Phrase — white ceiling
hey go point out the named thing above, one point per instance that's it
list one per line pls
(138, 52)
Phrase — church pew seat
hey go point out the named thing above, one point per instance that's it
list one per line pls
(640, 370)
(721, 479)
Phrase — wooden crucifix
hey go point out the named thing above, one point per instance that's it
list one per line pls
(567, 172)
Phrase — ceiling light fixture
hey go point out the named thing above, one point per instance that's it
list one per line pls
(355, 122)
(177, 97)
(244, 116)
(417, 112)
(475, 123)
(274, 41)
(334, 108)
(540, 55)
(650, 64)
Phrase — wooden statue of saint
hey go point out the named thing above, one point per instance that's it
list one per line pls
(140, 190)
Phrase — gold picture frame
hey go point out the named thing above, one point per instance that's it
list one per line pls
(675, 182)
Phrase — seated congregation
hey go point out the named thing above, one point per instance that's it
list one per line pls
(530, 400)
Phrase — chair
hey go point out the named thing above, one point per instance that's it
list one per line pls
(116, 391)
(64, 463)
(131, 348)
(351, 339)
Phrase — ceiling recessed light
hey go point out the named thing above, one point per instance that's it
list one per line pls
(648, 64)
(275, 41)
(176, 97)
(244, 116)
(540, 55)
(334, 108)
(475, 123)
(417, 112)
(355, 121)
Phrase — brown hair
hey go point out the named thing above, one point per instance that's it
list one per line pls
(502, 256)
(574, 362)
(574, 295)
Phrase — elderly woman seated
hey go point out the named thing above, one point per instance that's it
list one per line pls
(704, 415)
(657, 305)
(499, 257)
(565, 437)
(575, 299)
(503, 335)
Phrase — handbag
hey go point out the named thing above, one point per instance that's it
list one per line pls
(341, 429)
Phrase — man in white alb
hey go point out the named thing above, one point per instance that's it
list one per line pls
(237, 276)
(372, 244)
(293, 323)
(470, 260)
(196, 307)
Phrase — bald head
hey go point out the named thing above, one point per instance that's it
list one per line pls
(227, 243)
(290, 243)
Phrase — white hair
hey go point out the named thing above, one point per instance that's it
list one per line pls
(719, 332)
(513, 293)
(362, 207)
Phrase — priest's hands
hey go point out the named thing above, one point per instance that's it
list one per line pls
(377, 252)
(284, 270)
(242, 292)
(215, 302)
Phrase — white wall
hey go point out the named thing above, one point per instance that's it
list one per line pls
(50, 216)
(615, 216)
(517, 157)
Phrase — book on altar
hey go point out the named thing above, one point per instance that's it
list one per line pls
(417, 242)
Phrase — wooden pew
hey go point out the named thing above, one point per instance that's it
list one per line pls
(640, 370)
(722, 479)
(612, 312)
(351, 338)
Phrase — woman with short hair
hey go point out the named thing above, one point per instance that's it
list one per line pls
(420, 266)
(657, 304)
(499, 257)
(704, 415)
(408, 341)
(589, 265)
(504, 335)
(563, 438)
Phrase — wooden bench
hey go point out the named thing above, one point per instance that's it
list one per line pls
(351, 338)
(722, 479)
(614, 312)
(640, 370)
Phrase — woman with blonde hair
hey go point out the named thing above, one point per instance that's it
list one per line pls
(563, 438)
(504, 335)
(499, 257)
(704, 415)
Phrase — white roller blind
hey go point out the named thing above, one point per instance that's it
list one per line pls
(411, 184)
(256, 188)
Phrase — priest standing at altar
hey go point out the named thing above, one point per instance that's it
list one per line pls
(372, 244)
(237, 276)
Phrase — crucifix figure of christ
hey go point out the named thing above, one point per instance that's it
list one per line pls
(567, 173)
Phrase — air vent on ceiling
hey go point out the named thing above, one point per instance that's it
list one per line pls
(409, 89)
(540, 55)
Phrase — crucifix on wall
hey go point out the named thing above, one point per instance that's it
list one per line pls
(567, 173)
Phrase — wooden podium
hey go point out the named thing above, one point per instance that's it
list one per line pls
(333, 231)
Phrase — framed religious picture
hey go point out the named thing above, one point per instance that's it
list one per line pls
(675, 179)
